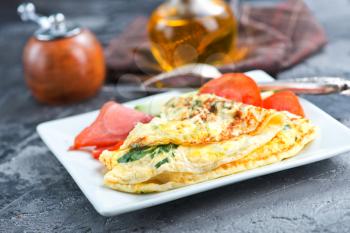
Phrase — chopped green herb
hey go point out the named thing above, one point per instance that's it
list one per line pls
(195, 104)
(161, 149)
(137, 153)
(160, 163)
(286, 127)
(133, 154)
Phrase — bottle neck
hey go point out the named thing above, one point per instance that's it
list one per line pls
(193, 8)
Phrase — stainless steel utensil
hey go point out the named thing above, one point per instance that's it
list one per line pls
(192, 76)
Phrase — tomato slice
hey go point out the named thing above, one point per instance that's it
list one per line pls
(98, 151)
(234, 86)
(284, 101)
(112, 125)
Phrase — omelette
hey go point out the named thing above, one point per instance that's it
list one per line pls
(200, 137)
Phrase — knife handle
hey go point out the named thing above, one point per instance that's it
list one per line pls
(301, 88)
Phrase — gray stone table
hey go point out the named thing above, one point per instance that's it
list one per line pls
(38, 195)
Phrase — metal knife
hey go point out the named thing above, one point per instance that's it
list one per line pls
(191, 77)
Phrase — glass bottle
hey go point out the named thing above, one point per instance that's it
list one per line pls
(192, 31)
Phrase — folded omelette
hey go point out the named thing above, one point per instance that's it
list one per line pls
(202, 137)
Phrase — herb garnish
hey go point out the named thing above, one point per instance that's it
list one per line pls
(139, 152)
(196, 104)
(286, 127)
(160, 163)
(133, 154)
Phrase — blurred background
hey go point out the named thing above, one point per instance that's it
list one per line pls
(105, 17)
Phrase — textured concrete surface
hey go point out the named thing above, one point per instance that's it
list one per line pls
(37, 194)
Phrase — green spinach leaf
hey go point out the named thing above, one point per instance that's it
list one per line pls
(160, 163)
(139, 152)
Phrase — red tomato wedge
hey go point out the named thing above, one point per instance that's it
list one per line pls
(234, 86)
(97, 152)
(284, 101)
(112, 125)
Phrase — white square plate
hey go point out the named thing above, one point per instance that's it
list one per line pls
(333, 139)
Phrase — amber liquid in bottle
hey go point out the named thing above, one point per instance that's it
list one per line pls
(192, 31)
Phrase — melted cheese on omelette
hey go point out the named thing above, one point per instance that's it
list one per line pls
(234, 137)
(198, 119)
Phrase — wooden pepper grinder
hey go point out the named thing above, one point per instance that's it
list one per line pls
(62, 63)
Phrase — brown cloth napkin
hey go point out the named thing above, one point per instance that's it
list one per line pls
(277, 36)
